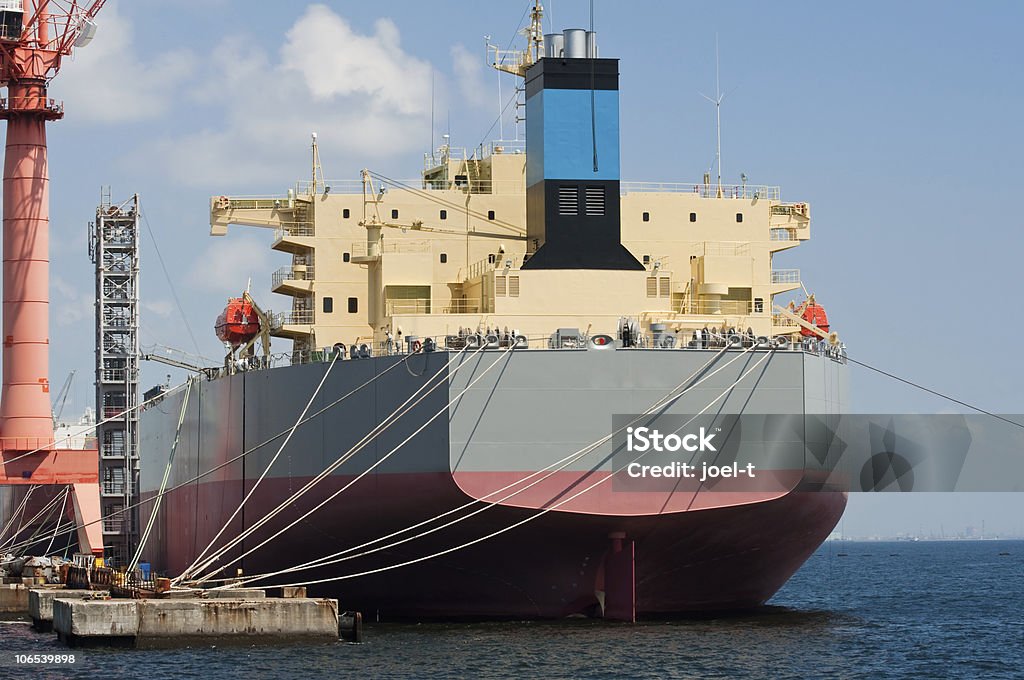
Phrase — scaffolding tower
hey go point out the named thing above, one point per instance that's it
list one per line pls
(114, 249)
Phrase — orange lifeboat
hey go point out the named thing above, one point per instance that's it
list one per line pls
(814, 314)
(238, 323)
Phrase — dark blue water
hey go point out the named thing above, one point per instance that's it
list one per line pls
(855, 610)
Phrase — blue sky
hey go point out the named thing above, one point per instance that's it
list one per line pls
(898, 122)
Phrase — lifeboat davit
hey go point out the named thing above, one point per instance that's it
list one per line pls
(814, 314)
(238, 323)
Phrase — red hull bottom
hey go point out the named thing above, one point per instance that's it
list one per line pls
(551, 567)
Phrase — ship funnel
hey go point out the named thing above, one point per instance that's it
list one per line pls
(572, 159)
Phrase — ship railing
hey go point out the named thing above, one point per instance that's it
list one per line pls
(295, 317)
(437, 183)
(748, 191)
(291, 274)
(782, 234)
(499, 147)
(258, 202)
(729, 248)
(358, 248)
(293, 229)
(785, 276)
(717, 307)
(399, 306)
(480, 267)
(684, 340)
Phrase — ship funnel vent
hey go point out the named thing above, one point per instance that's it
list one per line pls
(575, 46)
(554, 43)
(572, 43)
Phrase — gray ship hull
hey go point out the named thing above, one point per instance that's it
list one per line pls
(519, 413)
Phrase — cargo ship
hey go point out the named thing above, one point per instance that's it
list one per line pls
(439, 440)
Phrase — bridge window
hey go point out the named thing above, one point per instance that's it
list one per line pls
(328, 305)
(647, 217)
(444, 258)
(353, 305)
(444, 214)
(739, 217)
(346, 257)
(490, 214)
(693, 217)
(345, 214)
(394, 214)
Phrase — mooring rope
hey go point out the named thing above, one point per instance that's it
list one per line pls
(196, 569)
(550, 469)
(515, 525)
(371, 467)
(163, 483)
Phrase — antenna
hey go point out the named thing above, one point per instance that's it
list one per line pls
(501, 110)
(432, 114)
(316, 166)
(717, 101)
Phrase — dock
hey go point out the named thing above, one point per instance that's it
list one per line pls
(40, 603)
(173, 622)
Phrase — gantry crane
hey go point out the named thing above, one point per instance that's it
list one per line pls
(35, 36)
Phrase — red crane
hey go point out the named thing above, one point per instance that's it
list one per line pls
(35, 35)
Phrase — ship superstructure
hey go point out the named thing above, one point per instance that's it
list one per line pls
(463, 345)
(476, 241)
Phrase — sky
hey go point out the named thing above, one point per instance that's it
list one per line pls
(898, 122)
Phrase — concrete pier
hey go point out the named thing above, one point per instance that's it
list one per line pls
(13, 598)
(175, 622)
(40, 604)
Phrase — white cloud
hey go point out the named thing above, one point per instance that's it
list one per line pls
(362, 94)
(227, 265)
(162, 308)
(468, 69)
(112, 81)
(70, 305)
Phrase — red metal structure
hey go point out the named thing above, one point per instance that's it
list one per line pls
(35, 35)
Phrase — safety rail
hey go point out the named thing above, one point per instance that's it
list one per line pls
(751, 191)
(480, 267)
(398, 306)
(506, 146)
(306, 273)
(113, 488)
(295, 317)
(726, 248)
(359, 248)
(297, 229)
(54, 106)
(717, 307)
(114, 375)
(258, 203)
(363, 349)
(782, 234)
(785, 276)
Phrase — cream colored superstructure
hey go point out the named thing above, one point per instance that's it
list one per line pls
(445, 252)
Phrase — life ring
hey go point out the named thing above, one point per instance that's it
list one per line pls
(416, 346)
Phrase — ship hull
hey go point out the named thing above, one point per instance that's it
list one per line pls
(535, 554)
(709, 560)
